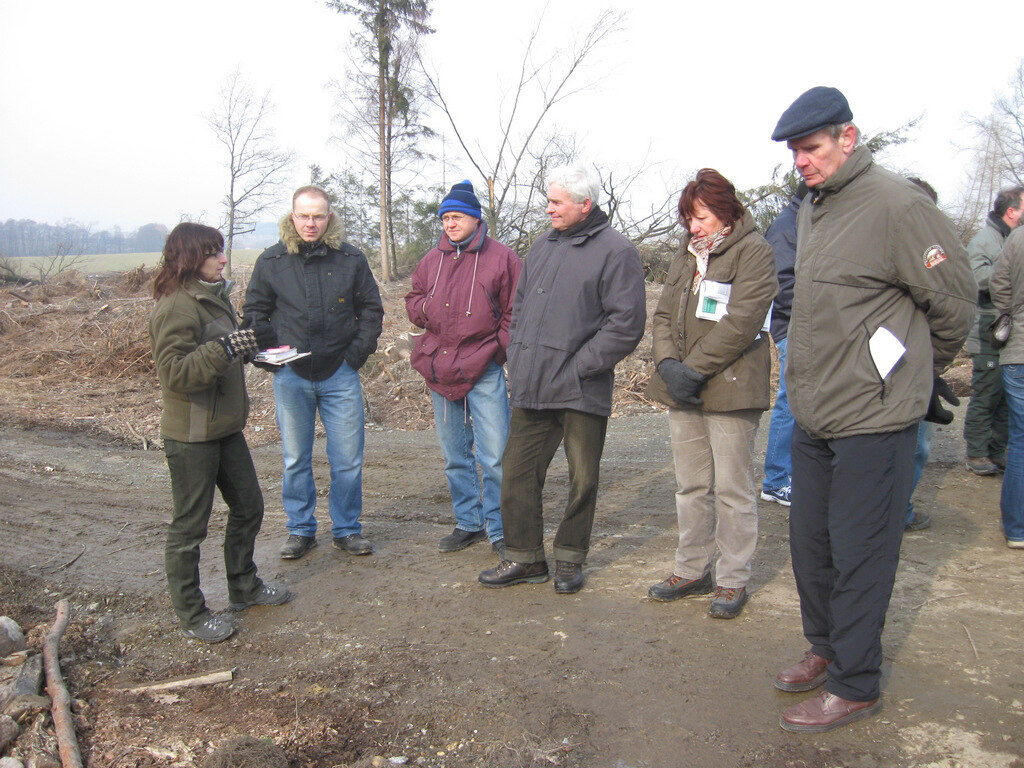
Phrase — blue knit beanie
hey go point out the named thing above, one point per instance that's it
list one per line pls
(462, 200)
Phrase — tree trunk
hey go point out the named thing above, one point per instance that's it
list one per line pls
(385, 214)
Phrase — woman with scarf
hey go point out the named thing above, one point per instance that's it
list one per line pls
(711, 352)
(199, 350)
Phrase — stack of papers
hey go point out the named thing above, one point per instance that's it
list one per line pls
(279, 355)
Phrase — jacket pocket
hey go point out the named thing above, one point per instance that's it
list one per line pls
(555, 371)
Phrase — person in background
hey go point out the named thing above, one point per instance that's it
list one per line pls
(781, 236)
(199, 351)
(985, 424)
(714, 374)
(580, 307)
(461, 296)
(882, 302)
(1007, 289)
(320, 296)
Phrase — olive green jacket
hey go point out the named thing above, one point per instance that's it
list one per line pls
(204, 395)
(733, 352)
(873, 251)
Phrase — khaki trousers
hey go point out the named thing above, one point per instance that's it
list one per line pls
(715, 502)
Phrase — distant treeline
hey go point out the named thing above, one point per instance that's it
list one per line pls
(24, 237)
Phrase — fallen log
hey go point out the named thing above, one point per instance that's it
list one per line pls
(191, 682)
(63, 725)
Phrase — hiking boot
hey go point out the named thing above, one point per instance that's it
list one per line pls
(981, 465)
(354, 544)
(675, 587)
(727, 602)
(568, 577)
(296, 546)
(507, 573)
(213, 630)
(460, 539)
(778, 495)
(918, 522)
(266, 595)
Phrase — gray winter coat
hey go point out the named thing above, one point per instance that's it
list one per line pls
(1007, 287)
(983, 251)
(580, 307)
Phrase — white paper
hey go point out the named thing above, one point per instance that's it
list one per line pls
(713, 302)
(886, 350)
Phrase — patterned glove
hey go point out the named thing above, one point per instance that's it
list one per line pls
(249, 339)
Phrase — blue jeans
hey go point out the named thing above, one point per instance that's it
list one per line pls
(1012, 500)
(921, 454)
(777, 464)
(339, 400)
(476, 424)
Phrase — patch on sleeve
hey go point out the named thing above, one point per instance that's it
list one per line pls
(934, 256)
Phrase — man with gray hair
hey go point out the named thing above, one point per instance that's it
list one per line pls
(580, 307)
(882, 301)
(987, 420)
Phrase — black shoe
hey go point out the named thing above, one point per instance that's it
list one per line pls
(460, 539)
(296, 546)
(213, 630)
(507, 573)
(498, 548)
(354, 544)
(568, 577)
(675, 587)
(919, 522)
(727, 602)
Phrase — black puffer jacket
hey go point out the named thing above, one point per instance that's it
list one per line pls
(320, 298)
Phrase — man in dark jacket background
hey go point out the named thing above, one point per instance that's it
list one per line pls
(882, 302)
(580, 308)
(987, 420)
(781, 236)
(319, 294)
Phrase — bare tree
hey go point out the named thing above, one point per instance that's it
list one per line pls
(256, 168)
(382, 106)
(514, 167)
(998, 155)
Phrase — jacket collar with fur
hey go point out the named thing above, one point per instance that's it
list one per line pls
(290, 236)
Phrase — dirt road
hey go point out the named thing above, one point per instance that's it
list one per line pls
(403, 655)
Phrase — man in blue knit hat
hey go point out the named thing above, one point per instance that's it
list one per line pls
(461, 296)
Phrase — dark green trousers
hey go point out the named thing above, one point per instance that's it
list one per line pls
(988, 416)
(196, 470)
(534, 436)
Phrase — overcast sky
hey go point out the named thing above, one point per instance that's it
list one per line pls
(104, 103)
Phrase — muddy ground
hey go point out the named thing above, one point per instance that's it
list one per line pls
(403, 655)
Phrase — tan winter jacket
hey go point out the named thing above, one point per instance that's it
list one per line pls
(733, 351)
(873, 251)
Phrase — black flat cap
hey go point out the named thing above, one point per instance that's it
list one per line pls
(813, 110)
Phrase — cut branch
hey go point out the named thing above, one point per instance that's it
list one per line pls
(60, 700)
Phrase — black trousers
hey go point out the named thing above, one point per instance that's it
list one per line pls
(197, 470)
(534, 436)
(849, 502)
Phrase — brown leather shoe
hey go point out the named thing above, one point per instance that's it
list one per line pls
(805, 675)
(825, 712)
(507, 573)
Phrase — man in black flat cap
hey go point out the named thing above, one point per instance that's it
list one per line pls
(882, 302)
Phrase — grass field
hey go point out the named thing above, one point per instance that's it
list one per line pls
(114, 262)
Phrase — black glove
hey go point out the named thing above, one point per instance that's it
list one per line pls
(682, 381)
(941, 391)
(249, 339)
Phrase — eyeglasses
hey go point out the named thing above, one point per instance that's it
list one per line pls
(215, 253)
(306, 218)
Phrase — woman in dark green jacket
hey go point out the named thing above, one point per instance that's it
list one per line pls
(712, 372)
(199, 351)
